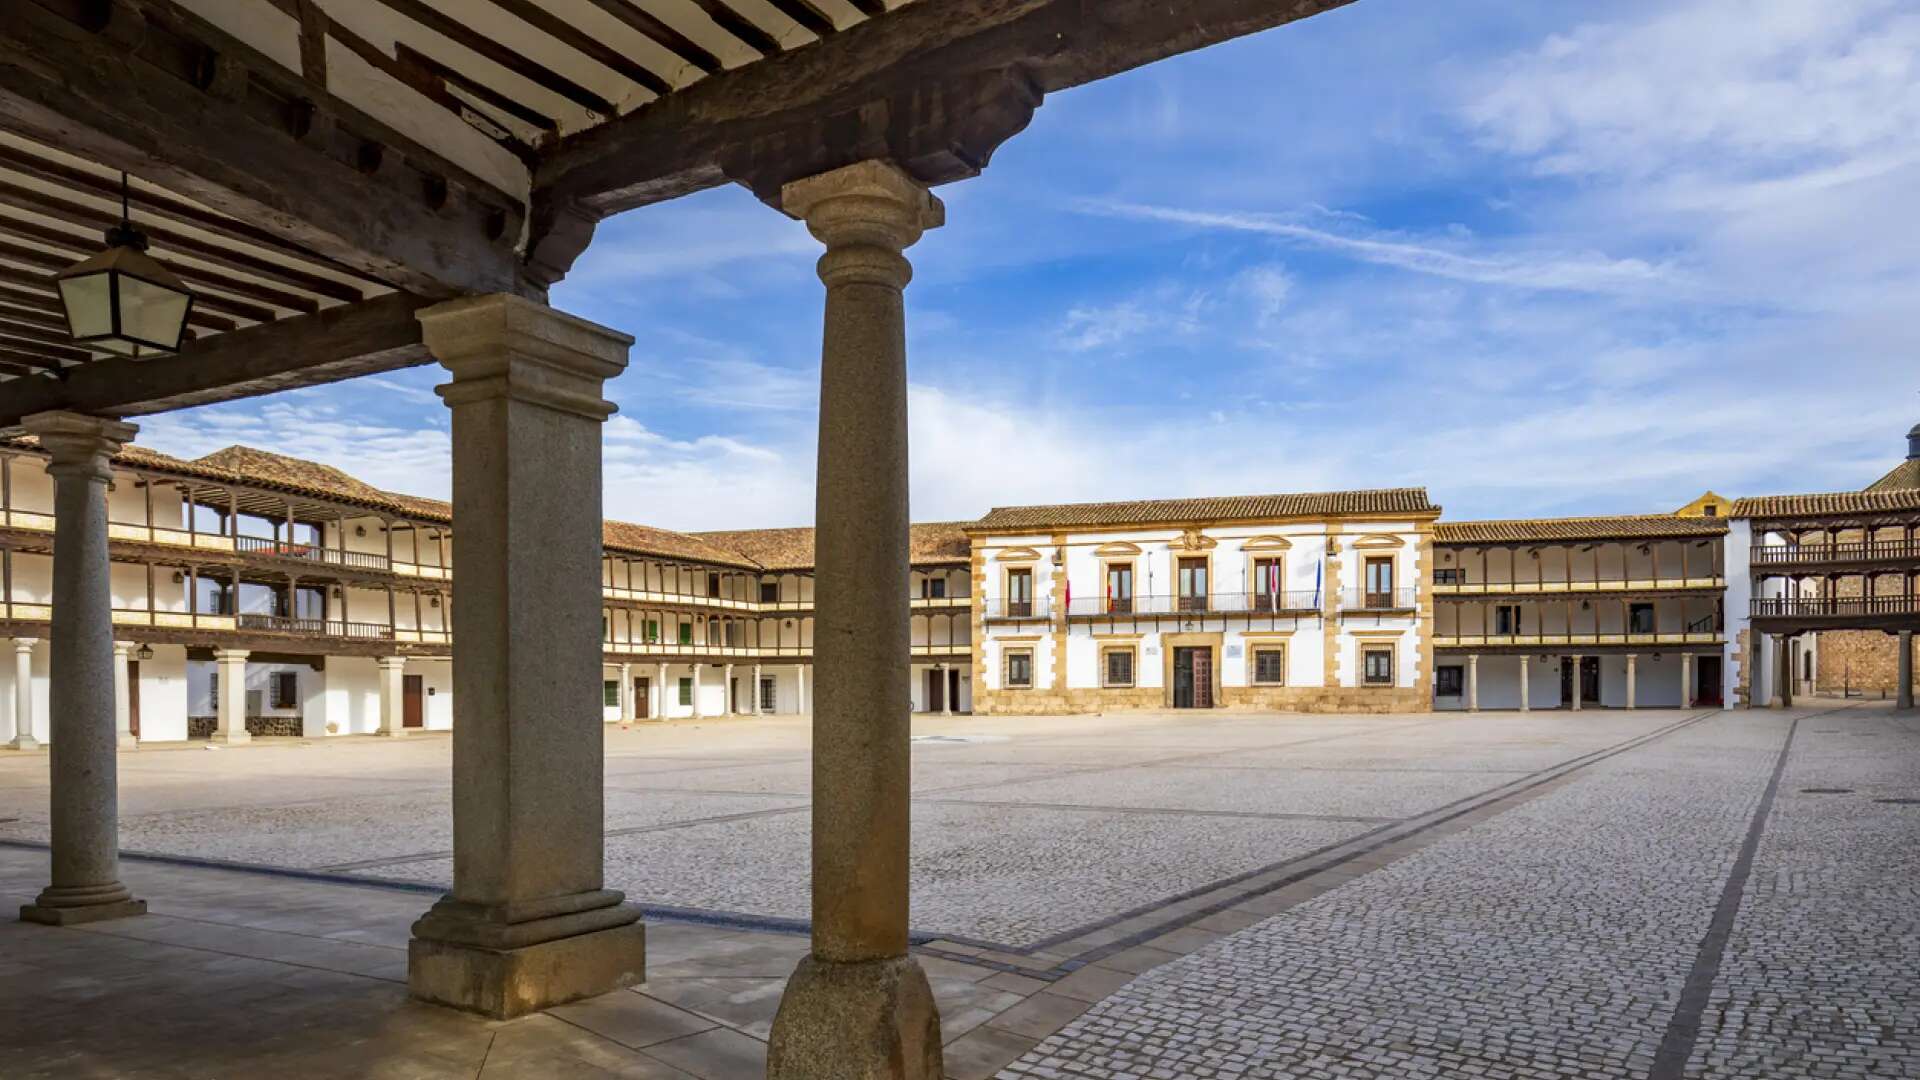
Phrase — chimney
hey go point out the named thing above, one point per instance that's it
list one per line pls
(1913, 443)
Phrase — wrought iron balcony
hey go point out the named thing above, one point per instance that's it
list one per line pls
(1388, 600)
(1302, 602)
(1000, 609)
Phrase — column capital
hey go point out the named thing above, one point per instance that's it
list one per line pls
(78, 443)
(505, 346)
(24, 644)
(866, 213)
(230, 656)
(391, 663)
(123, 649)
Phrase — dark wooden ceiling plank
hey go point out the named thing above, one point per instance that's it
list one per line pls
(37, 340)
(806, 14)
(875, 72)
(450, 76)
(153, 204)
(82, 246)
(94, 217)
(55, 263)
(21, 286)
(55, 321)
(566, 33)
(748, 31)
(661, 34)
(352, 339)
(117, 96)
(870, 8)
(466, 37)
(26, 363)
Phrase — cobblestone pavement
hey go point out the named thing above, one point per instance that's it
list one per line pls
(1557, 938)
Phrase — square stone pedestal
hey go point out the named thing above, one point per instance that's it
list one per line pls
(505, 983)
(85, 913)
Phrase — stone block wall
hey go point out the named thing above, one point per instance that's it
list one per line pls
(1311, 699)
(1865, 661)
(203, 727)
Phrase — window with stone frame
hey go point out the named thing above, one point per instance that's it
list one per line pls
(1450, 680)
(1116, 667)
(766, 694)
(1270, 665)
(1376, 666)
(1019, 664)
(284, 688)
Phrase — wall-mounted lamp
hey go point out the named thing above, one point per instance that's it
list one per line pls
(359, 530)
(144, 652)
(179, 577)
(433, 602)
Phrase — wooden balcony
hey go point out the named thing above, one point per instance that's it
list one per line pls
(1579, 588)
(1865, 554)
(1561, 641)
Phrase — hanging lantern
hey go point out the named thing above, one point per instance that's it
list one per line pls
(122, 300)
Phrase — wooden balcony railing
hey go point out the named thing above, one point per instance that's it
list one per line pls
(310, 553)
(1513, 588)
(1859, 551)
(1833, 606)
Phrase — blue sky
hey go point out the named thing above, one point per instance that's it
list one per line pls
(1545, 258)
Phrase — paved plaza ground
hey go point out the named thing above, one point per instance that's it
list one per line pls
(1597, 894)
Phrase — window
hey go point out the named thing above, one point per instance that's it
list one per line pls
(653, 630)
(766, 695)
(769, 592)
(1120, 588)
(686, 633)
(610, 693)
(1019, 667)
(686, 691)
(1709, 510)
(285, 689)
(1193, 584)
(1451, 681)
(1270, 665)
(1020, 592)
(1806, 666)
(1449, 575)
(606, 628)
(1640, 619)
(1118, 665)
(1377, 667)
(1268, 580)
(1380, 581)
(1506, 619)
(934, 588)
(713, 586)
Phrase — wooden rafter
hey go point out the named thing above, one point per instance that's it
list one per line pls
(76, 247)
(661, 34)
(749, 32)
(539, 74)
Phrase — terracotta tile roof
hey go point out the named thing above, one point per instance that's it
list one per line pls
(634, 539)
(1904, 475)
(928, 544)
(419, 506)
(1394, 502)
(139, 457)
(1550, 530)
(295, 475)
(1872, 501)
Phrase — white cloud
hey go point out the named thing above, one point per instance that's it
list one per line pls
(1167, 310)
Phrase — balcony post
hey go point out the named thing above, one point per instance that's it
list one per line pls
(1473, 682)
(1903, 698)
(859, 1005)
(83, 800)
(123, 696)
(528, 922)
(230, 702)
(1578, 682)
(1526, 703)
(393, 720)
(23, 738)
(1782, 672)
(754, 694)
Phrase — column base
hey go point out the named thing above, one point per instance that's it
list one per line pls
(391, 732)
(466, 957)
(866, 1021)
(128, 742)
(25, 742)
(73, 906)
(231, 738)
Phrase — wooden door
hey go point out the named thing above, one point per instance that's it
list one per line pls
(1266, 584)
(953, 687)
(1020, 593)
(1589, 680)
(1379, 571)
(1203, 678)
(643, 697)
(936, 692)
(133, 697)
(1706, 671)
(1183, 678)
(413, 701)
(1566, 681)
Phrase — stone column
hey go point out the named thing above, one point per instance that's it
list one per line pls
(123, 697)
(627, 707)
(800, 706)
(1526, 665)
(393, 706)
(529, 922)
(1473, 682)
(230, 697)
(1750, 669)
(1632, 673)
(946, 691)
(84, 799)
(1903, 698)
(697, 712)
(1686, 680)
(728, 706)
(1782, 673)
(859, 1005)
(754, 694)
(660, 693)
(1577, 681)
(23, 695)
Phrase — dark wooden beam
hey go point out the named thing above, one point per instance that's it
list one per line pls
(661, 34)
(914, 83)
(338, 343)
(869, 8)
(536, 15)
(18, 356)
(806, 14)
(466, 37)
(160, 93)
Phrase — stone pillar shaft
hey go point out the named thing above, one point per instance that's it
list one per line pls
(1473, 683)
(1578, 682)
(753, 694)
(627, 707)
(123, 696)
(1903, 698)
(230, 696)
(528, 923)
(1526, 703)
(728, 706)
(84, 799)
(859, 1006)
(1632, 677)
(697, 711)
(660, 693)
(393, 670)
(1686, 680)
(23, 737)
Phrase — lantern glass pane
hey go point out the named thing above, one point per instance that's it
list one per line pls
(151, 314)
(89, 304)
